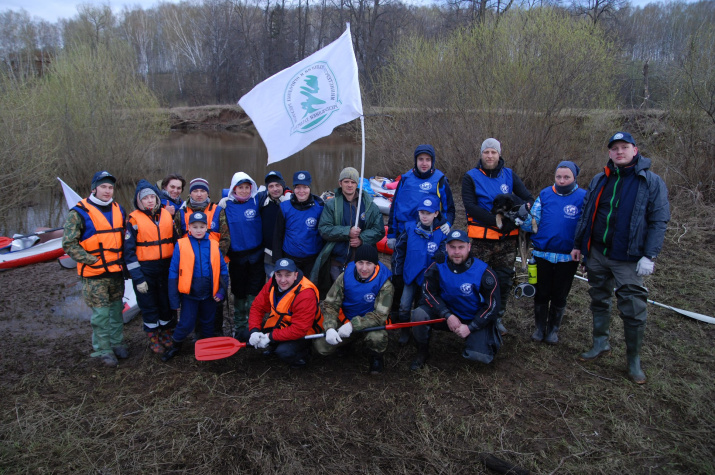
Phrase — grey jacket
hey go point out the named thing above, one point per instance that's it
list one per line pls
(651, 212)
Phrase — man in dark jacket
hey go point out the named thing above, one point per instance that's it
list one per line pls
(269, 202)
(621, 231)
(495, 246)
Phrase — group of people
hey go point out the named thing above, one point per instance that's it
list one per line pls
(299, 265)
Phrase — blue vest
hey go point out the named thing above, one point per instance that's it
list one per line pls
(412, 192)
(420, 252)
(559, 217)
(89, 229)
(244, 223)
(359, 296)
(302, 238)
(213, 225)
(487, 188)
(461, 291)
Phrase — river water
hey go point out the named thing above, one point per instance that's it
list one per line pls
(215, 156)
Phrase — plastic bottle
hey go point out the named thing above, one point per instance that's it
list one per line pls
(532, 270)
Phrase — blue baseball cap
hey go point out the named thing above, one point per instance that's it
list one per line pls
(302, 178)
(198, 217)
(458, 235)
(622, 137)
(428, 204)
(285, 264)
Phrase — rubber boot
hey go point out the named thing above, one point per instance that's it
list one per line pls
(240, 317)
(601, 325)
(501, 328)
(540, 317)
(155, 342)
(173, 351)
(377, 362)
(165, 337)
(556, 315)
(634, 341)
(421, 358)
(405, 333)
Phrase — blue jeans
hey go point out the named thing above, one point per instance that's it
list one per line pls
(195, 313)
(408, 296)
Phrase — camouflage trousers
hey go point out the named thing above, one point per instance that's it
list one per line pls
(104, 296)
(102, 291)
(500, 256)
(375, 341)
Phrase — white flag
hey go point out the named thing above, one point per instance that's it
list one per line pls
(307, 101)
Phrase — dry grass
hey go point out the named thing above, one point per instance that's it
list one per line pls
(536, 406)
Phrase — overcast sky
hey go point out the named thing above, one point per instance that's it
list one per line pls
(53, 10)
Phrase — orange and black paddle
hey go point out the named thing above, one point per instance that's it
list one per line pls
(220, 347)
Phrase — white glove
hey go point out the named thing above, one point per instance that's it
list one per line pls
(143, 288)
(445, 228)
(265, 340)
(332, 337)
(391, 243)
(345, 330)
(255, 339)
(645, 267)
(223, 202)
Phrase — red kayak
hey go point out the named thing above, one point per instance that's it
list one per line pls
(40, 252)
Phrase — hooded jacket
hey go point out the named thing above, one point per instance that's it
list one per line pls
(165, 232)
(648, 218)
(243, 219)
(413, 188)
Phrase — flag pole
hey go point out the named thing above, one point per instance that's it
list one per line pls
(362, 170)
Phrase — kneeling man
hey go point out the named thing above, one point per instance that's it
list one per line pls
(284, 312)
(360, 298)
(464, 291)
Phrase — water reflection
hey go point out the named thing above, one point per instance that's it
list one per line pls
(215, 156)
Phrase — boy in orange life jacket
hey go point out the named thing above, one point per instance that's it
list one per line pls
(198, 279)
(285, 310)
(148, 247)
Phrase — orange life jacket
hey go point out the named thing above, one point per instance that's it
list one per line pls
(477, 231)
(106, 243)
(281, 315)
(154, 240)
(186, 265)
(209, 212)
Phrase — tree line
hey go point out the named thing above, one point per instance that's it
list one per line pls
(214, 51)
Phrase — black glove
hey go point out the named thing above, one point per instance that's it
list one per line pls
(507, 226)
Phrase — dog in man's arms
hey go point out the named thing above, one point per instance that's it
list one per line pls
(511, 212)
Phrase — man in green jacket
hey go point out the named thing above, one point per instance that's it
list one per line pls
(338, 230)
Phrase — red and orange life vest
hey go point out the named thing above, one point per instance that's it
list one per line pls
(186, 265)
(106, 243)
(154, 240)
(281, 315)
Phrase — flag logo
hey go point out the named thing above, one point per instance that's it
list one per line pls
(504, 188)
(426, 186)
(311, 97)
(250, 213)
(466, 288)
(369, 297)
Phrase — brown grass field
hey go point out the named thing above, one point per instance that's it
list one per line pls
(536, 407)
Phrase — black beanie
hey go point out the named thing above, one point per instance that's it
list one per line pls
(367, 253)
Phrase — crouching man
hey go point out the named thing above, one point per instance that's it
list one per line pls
(464, 291)
(284, 312)
(360, 298)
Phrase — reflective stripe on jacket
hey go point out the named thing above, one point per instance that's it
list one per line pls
(102, 239)
(154, 240)
(186, 265)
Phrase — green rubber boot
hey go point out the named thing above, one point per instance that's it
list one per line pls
(634, 341)
(601, 326)
(540, 316)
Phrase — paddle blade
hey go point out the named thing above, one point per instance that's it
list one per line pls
(217, 348)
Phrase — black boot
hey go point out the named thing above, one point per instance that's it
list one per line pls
(556, 314)
(540, 317)
(421, 358)
(173, 351)
(377, 362)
